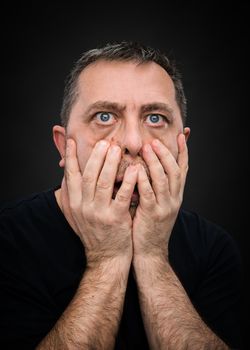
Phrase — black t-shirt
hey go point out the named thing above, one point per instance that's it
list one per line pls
(42, 262)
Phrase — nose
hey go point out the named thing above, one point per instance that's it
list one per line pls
(132, 140)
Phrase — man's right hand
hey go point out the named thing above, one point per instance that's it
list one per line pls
(104, 225)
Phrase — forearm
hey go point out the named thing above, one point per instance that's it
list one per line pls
(170, 320)
(92, 318)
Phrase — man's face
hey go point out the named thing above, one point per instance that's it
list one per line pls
(127, 104)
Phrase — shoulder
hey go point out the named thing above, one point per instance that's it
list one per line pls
(23, 215)
(14, 206)
(205, 239)
(27, 204)
(19, 203)
(201, 229)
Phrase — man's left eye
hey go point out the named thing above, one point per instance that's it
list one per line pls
(155, 118)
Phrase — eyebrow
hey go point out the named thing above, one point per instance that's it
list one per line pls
(105, 106)
(114, 106)
(157, 106)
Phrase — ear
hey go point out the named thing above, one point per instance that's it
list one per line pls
(186, 132)
(59, 137)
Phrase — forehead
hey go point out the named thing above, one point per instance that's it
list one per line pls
(125, 82)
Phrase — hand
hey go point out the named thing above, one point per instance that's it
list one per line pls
(103, 224)
(160, 201)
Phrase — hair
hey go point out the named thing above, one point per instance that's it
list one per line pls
(123, 51)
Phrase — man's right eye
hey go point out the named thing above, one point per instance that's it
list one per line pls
(104, 118)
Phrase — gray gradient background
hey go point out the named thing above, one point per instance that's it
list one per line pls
(41, 43)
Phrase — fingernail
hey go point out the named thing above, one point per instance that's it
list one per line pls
(156, 143)
(148, 148)
(114, 149)
(102, 144)
(131, 169)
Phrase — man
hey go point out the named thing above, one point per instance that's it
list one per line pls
(109, 259)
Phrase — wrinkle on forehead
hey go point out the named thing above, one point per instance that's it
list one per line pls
(104, 80)
(127, 84)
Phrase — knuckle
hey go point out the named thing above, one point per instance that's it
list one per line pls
(124, 193)
(145, 182)
(180, 199)
(175, 205)
(74, 206)
(68, 173)
(167, 154)
(122, 196)
(160, 215)
(126, 186)
(148, 193)
(163, 189)
(85, 211)
(103, 185)
(88, 209)
(87, 179)
(177, 175)
(71, 175)
(101, 219)
(155, 162)
(162, 181)
(109, 221)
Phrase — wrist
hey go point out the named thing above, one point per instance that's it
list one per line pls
(144, 265)
(100, 256)
(151, 258)
(118, 262)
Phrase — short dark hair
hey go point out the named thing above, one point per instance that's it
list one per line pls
(123, 51)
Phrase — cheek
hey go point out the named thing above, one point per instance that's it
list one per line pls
(172, 145)
(84, 149)
(85, 139)
(168, 138)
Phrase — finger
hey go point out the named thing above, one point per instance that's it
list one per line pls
(182, 158)
(123, 197)
(147, 196)
(170, 166)
(72, 174)
(92, 170)
(157, 173)
(106, 180)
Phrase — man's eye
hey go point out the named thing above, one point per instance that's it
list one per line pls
(155, 119)
(104, 117)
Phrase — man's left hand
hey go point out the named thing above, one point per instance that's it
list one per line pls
(160, 200)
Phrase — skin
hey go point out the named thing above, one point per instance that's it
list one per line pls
(130, 147)
(121, 83)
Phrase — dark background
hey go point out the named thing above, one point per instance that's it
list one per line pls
(40, 44)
